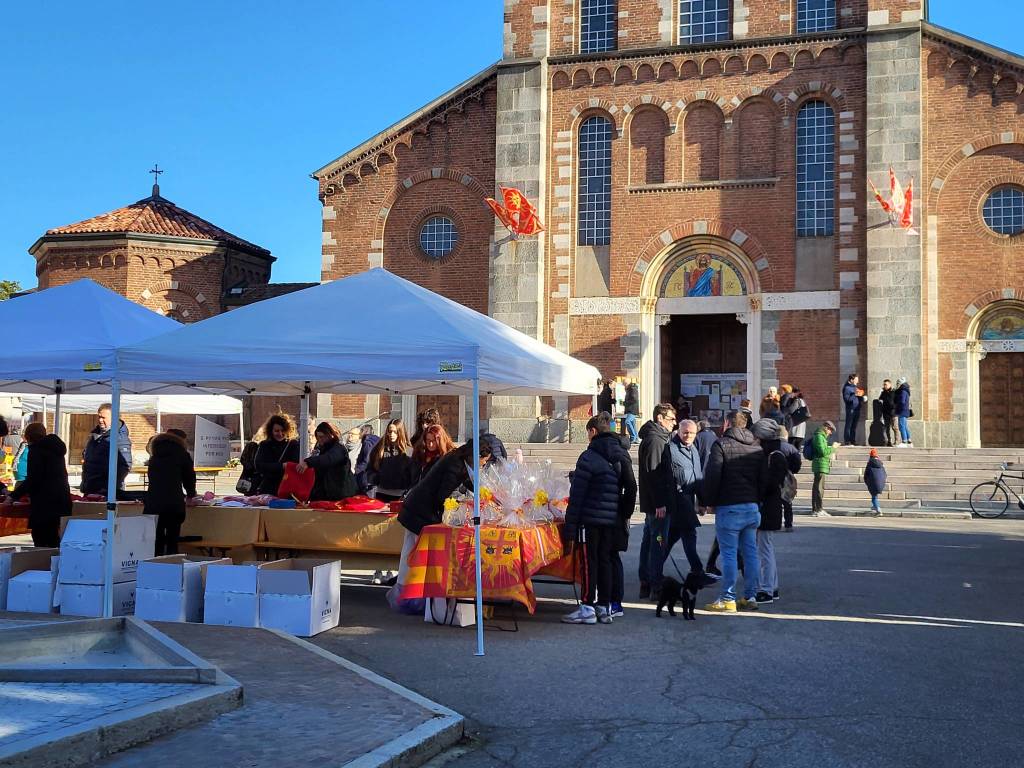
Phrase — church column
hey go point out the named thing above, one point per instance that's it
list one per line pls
(649, 350)
(752, 319)
(894, 274)
(517, 268)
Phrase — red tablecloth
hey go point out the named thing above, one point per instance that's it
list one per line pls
(443, 564)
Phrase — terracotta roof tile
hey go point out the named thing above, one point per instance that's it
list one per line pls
(155, 216)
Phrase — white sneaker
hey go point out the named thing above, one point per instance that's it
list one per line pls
(583, 615)
(604, 614)
(901, 445)
(822, 513)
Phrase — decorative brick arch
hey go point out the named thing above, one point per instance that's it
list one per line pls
(968, 150)
(819, 89)
(199, 307)
(778, 102)
(452, 174)
(656, 249)
(633, 104)
(590, 107)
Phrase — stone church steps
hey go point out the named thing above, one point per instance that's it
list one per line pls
(931, 477)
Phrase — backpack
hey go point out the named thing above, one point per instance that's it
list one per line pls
(781, 476)
(809, 450)
(800, 415)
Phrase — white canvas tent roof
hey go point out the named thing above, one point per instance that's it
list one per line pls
(58, 333)
(413, 341)
(149, 404)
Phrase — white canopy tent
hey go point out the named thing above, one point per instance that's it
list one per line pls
(147, 404)
(417, 342)
(151, 405)
(64, 339)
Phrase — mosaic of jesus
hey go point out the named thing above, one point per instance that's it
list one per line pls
(704, 275)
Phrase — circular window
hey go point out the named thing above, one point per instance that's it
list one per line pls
(1004, 210)
(438, 237)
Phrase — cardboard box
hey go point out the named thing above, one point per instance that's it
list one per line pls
(123, 508)
(17, 560)
(32, 591)
(302, 598)
(87, 599)
(83, 548)
(170, 588)
(231, 598)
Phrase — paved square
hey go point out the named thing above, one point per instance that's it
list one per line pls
(844, 671)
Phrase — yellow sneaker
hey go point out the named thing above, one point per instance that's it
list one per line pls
(721, 606)
(746, 605)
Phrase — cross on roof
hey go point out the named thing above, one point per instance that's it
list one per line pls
(156, 179)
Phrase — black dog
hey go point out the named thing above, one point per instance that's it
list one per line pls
(673, 592)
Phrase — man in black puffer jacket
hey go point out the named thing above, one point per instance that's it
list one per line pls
(734, 483)
(654, 436)
(601, 501)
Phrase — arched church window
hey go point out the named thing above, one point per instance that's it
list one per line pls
(815, 15)
(815, 170)
(1004, 210)
(703, 21)
(598, 28)
(594, 201)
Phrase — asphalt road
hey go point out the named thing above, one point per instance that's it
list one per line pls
(897, 643)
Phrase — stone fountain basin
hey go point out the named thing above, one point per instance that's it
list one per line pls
(118, 650)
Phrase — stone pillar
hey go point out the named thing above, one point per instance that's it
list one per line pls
(893, 262)
(517, 268)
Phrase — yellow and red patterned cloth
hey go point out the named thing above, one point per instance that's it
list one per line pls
(443, 563)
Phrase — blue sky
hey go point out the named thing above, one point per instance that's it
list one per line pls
(239, 102)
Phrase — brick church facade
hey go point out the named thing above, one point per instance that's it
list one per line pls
(702, 170)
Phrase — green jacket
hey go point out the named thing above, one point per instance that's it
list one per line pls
(822, 462)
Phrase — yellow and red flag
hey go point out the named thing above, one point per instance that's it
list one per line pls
(907, 214)
(517, 214)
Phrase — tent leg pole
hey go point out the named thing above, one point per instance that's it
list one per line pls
(304, 423)
(59, 389)
(159, 417)
(115, 433)
(476, 519)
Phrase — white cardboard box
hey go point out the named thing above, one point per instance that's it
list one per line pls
(302, 598)
(17, 560)
(87, 599)
(170, 588)
(83, 548)
(32, 591)
(232, 598)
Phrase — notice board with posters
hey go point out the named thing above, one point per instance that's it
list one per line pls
(212, 446)
(712, 395)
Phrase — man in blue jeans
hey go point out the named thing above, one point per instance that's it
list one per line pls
(734, 484)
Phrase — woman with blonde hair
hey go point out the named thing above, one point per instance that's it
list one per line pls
(390, 469)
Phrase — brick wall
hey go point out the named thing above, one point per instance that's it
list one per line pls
(456, 143)
(974, 142)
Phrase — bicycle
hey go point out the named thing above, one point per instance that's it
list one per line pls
(991, 499)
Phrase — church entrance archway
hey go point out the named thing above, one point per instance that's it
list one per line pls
(707, 352)
(1000, 332)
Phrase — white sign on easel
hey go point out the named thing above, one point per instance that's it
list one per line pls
(212, 444)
